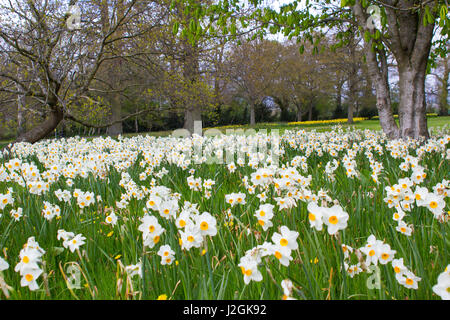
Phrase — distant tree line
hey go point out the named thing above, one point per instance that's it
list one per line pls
(152, 65)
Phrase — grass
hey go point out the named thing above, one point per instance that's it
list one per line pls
(283, 126)
(364, 124)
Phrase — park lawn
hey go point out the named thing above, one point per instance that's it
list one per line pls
(321, 127)
(283, 126)
(433, 122)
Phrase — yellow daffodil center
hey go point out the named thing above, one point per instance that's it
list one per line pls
(190, 238)
(156, 239)
(397, 269)
(182, 223)
(433, 204)
(248, 272)
(312, 217)
(26, 259)
(151, 228)
(371, 253)
(283, 242)
(277, 255)
(409, 281)
(333, 220)
(29, 277)
(384, 256)
(204, 226)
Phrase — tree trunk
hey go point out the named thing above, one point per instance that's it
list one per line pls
(412, 106)
(193, 120)
(136, 125)
(443, 95)
(383, 103)
(42, 130)
(193, 112)
(20, 109)
(378, 71)
(352, 80)
(115, 68)
(252, 114)
(299, 112)
(410, 42)
(310, 110)
(116, 114)
(20, 115)
(338, 110)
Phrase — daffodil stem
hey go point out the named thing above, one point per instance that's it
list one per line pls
(144, 266)
(211, 279)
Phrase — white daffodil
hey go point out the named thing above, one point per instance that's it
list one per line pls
(442, 287)
(315, 214)
(206, 224)
(335, 218)
(287, 238)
